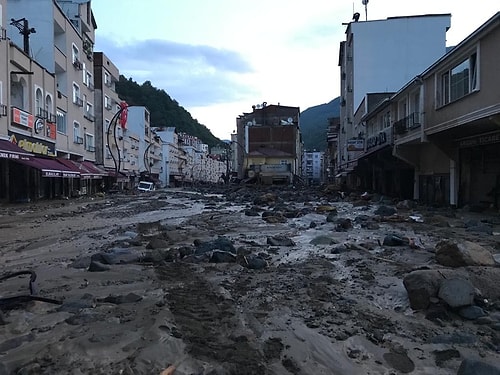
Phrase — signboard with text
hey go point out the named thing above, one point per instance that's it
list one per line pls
(20, 117)
(32, 145)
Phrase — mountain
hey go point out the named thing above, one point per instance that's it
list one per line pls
(314, 124)
(164, 111)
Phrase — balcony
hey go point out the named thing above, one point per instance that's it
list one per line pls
(42, 113)
(51, 118)
(78, 101)
(78, 64)
(89, 116)
(78, 140)
(108, 106)
(407, 123)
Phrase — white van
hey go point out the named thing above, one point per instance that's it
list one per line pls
(146, 186)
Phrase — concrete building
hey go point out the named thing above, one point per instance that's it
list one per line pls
(440, 145)
(381, 56)
(313, 167)
(272, 143)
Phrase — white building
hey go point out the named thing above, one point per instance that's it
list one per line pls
(313, 167)
(381, 56)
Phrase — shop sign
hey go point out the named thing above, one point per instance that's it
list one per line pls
(32, 145)
(480, 140)
(379, 140)
(356, 145)
(22, 118)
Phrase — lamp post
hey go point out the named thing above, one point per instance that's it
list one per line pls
(112, 125)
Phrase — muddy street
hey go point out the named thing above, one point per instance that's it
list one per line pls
(248, 280)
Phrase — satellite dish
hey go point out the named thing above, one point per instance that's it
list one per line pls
(249, 123)
(290, 120)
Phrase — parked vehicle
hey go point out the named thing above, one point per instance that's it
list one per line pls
(146, 186)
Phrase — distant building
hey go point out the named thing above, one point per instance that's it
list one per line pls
(272, 143)
(313, 167)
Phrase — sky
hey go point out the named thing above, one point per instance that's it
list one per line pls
(218, 58)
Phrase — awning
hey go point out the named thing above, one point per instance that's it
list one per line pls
(9, 150)
(85, 169)
(50, 167)
(120, 177)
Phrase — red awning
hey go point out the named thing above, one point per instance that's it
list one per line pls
(85, 172)
(50, 167)
(96, 172)
(9, 150)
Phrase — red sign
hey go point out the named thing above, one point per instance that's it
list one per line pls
(123, 114)
(20, 117)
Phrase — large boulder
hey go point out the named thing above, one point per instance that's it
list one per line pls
(456, 292)
(453, 253)
(422, 285)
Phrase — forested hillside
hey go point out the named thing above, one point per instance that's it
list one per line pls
(314, 124)
(164, 110)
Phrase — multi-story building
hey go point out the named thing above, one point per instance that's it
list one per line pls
(380, 56)
(313, 167)
(272, 143)
(441, 144)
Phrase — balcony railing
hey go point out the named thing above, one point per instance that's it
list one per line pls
(89, 116)
(108, 106)
(78, 64)
(78, 140)
(42, 113)
(407, 123)
(78, 101)
(51, 118)
(90, 148)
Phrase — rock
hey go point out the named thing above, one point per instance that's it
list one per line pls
(322, 240)
(157, 243)
(222, 257)
(273, 217)
(454, 338)
(405, 205)
(116, 256)
(385, 211)
(396, 240)
(471, 312)
(221, 243)
(252, 212)
(421, 285)
(265, 199)
(96, 266)
(400, 362)
(456, 292)
(119, 299)
(313, 225)
(280, 241)
(326, 209)
(471, 366)
(442, 356)
(343, 224)
(331, 217)
(452, 253)
(255, 262)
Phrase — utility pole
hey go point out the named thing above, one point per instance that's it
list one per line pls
(24, 29)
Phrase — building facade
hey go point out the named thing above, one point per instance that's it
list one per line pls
(381, 56)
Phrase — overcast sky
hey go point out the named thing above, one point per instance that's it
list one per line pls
(218, 58)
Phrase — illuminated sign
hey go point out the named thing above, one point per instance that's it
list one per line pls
(22, 118)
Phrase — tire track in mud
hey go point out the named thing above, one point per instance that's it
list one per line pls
(207, 322)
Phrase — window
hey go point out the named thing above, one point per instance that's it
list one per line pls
(76, 133)
(459, 81)
(61, 122)
(89, 142)
(39, 103)
(75, 54)
(18, 93)
(107, 102)
(76, 95)
(107, 79)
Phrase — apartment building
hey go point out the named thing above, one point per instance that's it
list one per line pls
(313, 167)
(440, 145)
(272, 143)
(381, 56)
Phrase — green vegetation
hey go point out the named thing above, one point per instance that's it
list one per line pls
(165, 111)
(314, 124)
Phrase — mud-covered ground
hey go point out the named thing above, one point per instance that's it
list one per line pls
(238, 280)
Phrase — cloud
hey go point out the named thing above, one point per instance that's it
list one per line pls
(194, 75)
